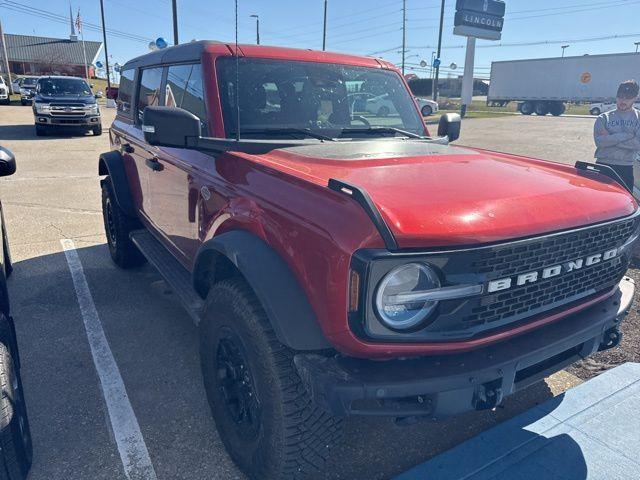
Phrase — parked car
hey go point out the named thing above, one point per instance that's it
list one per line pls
(345, 264)
(598, 108)
(64, 103)
(427, 107)
(15, 85)
(15, 436)
(4, 92)
(27, 89)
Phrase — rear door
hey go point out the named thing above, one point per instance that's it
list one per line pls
(174, 186)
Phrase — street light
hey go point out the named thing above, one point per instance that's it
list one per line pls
(564, 47)
(257, 17)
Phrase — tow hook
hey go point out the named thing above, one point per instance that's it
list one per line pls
(610, 339)
(488, 395)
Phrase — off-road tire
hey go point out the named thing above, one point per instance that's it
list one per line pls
(97, 131)
(427, 111)
(15, 435)
(291, 437)
(118, 225)
(40, 131)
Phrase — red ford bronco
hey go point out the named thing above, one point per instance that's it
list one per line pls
(340, 262)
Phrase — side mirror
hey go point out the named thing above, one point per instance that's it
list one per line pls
(449, 126)
(7, 162)
(170, 127)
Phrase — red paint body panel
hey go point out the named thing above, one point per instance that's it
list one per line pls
(464, 197)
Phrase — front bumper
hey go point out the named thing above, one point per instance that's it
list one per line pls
(79, 121)
(449, 385)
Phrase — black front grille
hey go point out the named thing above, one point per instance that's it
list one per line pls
(528, 300)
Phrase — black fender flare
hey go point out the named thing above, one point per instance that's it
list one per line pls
(283, 299)
(110, 164)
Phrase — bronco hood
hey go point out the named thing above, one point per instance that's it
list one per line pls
(439, 195)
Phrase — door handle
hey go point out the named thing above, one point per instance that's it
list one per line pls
(127, 148)
(154, 164)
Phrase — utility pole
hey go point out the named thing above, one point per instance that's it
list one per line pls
(104, 38)
(404, 32)
(257, 17)
(175, 21)
(637, 44)
(435, 84)
(564, 47)
(324, 28)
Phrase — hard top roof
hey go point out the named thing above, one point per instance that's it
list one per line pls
(192, 52)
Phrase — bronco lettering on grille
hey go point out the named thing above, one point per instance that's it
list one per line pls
(553, 271)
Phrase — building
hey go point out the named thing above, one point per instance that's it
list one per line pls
(31, 55)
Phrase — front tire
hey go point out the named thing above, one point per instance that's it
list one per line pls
(97, 131)
(118, 225)
(15, 434)
(265, 417)
(40, 131)
(526, 108)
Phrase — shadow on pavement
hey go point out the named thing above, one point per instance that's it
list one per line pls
(28, 132)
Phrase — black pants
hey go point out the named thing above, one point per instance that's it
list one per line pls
(625, 172)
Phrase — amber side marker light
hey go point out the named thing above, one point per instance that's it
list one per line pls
(354, 291)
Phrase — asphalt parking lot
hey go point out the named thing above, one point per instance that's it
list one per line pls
(55, 196)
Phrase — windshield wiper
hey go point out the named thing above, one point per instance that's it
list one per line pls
(288, 130)
(372, 130)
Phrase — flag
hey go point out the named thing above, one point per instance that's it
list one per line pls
(78, 22)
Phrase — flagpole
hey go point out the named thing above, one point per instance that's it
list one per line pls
(84, 49)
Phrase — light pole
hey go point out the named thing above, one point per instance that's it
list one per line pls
(174, 8)
(257, 17)
(404, 32)
(435, 85)
(324, 28)
(637, 44)
(564, 47)
(104, 38)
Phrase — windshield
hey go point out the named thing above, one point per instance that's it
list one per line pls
(29, 81)
(63, 86)
(278, 97)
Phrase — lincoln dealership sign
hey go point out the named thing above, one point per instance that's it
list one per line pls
(479, 18)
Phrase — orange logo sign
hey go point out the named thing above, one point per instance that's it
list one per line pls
(585, 77)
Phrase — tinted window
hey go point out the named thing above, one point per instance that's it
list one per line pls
(125, 91)
(185, 90)
(149, 93)
(334, 100)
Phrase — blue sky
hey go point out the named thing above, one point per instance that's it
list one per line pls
(354, 26)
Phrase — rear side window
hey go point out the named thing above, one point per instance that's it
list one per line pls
(149, 92)
(125, 91)
(185, 90)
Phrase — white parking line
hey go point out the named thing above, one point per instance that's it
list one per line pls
(133, 451)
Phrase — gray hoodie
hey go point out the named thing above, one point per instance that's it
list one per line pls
(621, 145)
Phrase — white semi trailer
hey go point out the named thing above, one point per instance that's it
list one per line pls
(543, 85)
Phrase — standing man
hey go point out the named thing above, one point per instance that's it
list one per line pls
(617, 133)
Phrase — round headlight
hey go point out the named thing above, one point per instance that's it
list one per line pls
(395, 306)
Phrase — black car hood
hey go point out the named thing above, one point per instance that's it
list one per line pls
(66, 99)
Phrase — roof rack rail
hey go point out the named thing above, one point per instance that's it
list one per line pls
(604, 170)
(362, 197)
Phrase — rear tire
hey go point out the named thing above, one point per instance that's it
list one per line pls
(427, 111)
(541, 109)
(383, 111)
(118, 225)
(595, 111)
(15, 435)
(265, 417)
(526, 108)
(557, 108)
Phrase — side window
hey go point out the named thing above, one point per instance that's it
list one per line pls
(125, 91)
(149, 92)
(185, 90)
